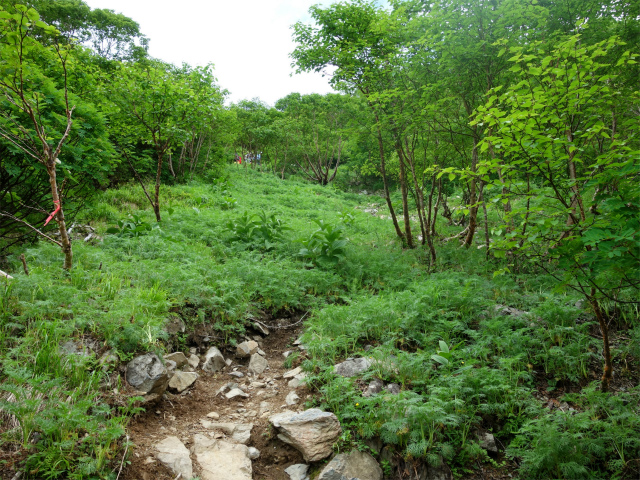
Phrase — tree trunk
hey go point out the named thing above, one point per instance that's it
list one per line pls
(156, 202)
(606, 352)
(59, 217)
(473, 208)
(383, 170)
(405, 201)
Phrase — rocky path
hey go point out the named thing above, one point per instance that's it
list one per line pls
(218, 428)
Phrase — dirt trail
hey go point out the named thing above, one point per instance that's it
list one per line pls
(180, 415)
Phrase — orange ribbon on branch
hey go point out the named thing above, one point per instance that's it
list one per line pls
(56, 203)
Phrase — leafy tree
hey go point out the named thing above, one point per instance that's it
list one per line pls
(160, 106)
(568, 138)
(36, 121)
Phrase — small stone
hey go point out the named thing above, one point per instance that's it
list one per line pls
(374, 388)
(258, 384)
(297, 471)
(297, 381)
(488, 442)
(393, 388)
(292, 373)
(214, 415)
(237, 374)
(235, 393)
(286, 354)
(193, 361)
(182, 380)
(352, 367)
(261, 328)
(258, 364)
(177, 357)
(353, 465)
(246, 349)
(262, 353)
(292, 398)
(214, 361)
(254, 453)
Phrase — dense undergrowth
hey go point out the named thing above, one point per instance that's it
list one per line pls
(252, 245)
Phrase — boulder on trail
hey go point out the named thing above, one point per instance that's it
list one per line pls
(182, 380)
(312, 432)
(221, 460)
(257, 364)
(147, 374)
(193, 360)
(352, 367)
(353, 465)
(246, 349)
(214, 361)
(172, 453)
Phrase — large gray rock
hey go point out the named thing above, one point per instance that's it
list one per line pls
(257, 364)
(353, 465)
(312, 432)
(352, 367)
(221, 460)
(177, 357)
(172, 453)
(246, 349)
(297, 471)
(214, 361)
(182, 380)
(147, 374)
(239, 432)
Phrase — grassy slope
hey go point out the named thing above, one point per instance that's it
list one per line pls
(121, 292)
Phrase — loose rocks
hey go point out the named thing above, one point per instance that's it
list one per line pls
(239, 432)
(147, 374)
(312, 432)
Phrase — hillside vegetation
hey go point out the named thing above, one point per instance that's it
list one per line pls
(527, 373)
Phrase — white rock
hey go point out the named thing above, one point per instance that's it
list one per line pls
(172, 453)
(182, 380)
(246, 349)
(193, 360)
(214, 361)
(235, 393)
(312, 432)
(257, 364)
(177, 357)
(297, 472)
(297, 381)
(353, 465)
(292, 373)
(239, 432)
(214, 415)
(221, 460)
(292, 398)
(254, 453)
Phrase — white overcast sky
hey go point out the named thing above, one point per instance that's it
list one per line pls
(248, 41)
